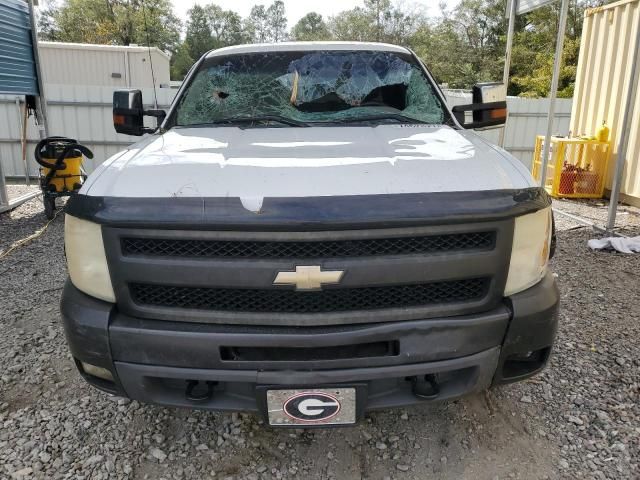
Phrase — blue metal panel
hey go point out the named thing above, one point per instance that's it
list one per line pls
(17, 65)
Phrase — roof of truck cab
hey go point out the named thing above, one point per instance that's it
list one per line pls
(306, 46)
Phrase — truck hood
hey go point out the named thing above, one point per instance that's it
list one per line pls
(255, 163)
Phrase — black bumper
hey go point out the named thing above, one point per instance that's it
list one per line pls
(152, 361)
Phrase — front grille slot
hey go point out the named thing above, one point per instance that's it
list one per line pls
(302, 354)
(324, 301)
(413, 245)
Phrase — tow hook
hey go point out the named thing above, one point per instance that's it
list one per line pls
(425, 387)
(198, 391)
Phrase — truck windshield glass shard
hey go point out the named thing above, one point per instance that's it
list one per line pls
(310, 88)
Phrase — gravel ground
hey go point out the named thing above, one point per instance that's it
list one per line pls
(579, 419)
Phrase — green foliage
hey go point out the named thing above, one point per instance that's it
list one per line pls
(257, 25)
(114, 22)
(277, 21)
(266, 24)
(181, 61)
(465, 46)
(198, 39)
(377, 21)
(461, 46)
(310, 27)
(534, 51)
(225, 26)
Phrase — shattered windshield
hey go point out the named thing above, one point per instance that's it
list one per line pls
(300, 88)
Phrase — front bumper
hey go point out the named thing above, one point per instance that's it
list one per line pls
(151, 361)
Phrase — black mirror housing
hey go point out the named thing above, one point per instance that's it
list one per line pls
(129, 113)
(489, 107)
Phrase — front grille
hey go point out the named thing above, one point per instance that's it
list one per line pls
(308, 249)
(323, 301)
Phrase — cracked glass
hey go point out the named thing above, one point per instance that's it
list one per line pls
(310, 88)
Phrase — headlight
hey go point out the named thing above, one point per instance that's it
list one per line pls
(86, 259)
(530, 251)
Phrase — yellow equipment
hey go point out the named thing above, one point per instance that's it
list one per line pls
(61, 173)
(66, 179)
(603, 133)
(577, 166)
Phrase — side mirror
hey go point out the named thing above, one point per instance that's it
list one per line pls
(129, 113)
(489, 107)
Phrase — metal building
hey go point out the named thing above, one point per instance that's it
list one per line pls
(603, 77)
(17, 64)
(103, 65)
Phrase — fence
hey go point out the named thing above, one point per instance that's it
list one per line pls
(80, 112)
(84, 113)
(527, 118)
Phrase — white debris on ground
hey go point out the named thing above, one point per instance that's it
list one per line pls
(619, 244)
(579, 419)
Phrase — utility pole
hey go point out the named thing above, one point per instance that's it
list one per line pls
(564, 9)
(507, 56)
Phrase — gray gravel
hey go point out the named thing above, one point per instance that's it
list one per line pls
(579, 419)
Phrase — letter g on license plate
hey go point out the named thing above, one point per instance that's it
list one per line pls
(325, 406)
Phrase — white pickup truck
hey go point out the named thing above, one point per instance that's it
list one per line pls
(310, 233)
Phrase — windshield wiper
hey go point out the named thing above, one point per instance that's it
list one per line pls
(383, 116)
(257, 119)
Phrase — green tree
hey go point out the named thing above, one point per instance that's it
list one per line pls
(181, 62)
(534, 50)
(378, 21)
(48, 28)
(198, 37)
(379, 11)
(119, 22)
(310, 27)
(225, 26)
(256, 26)
(277, 21)
(352, 25)
(266, 24)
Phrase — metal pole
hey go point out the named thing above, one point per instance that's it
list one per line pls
(564, 9)
(507, 57)
(41, 100)
(584, 221)
(623, 145)
(4, 196)
(22, 118)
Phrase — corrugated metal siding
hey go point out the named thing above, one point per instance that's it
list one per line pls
(602, 82)
(17, 66)
(527, 118)
(81, 112)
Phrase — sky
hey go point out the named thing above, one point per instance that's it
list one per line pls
(296, 9)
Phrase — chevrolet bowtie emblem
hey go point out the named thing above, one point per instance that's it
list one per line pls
(308, 277)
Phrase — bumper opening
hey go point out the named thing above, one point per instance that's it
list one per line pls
(297, 354)
(525, 364)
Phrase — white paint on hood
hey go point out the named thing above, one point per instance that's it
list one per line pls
(255, 163)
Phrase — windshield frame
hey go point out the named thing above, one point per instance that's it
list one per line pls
(409, 56)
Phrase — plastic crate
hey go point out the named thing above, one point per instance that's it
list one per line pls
(577, 167)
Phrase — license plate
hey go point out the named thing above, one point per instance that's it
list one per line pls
(323, 406)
